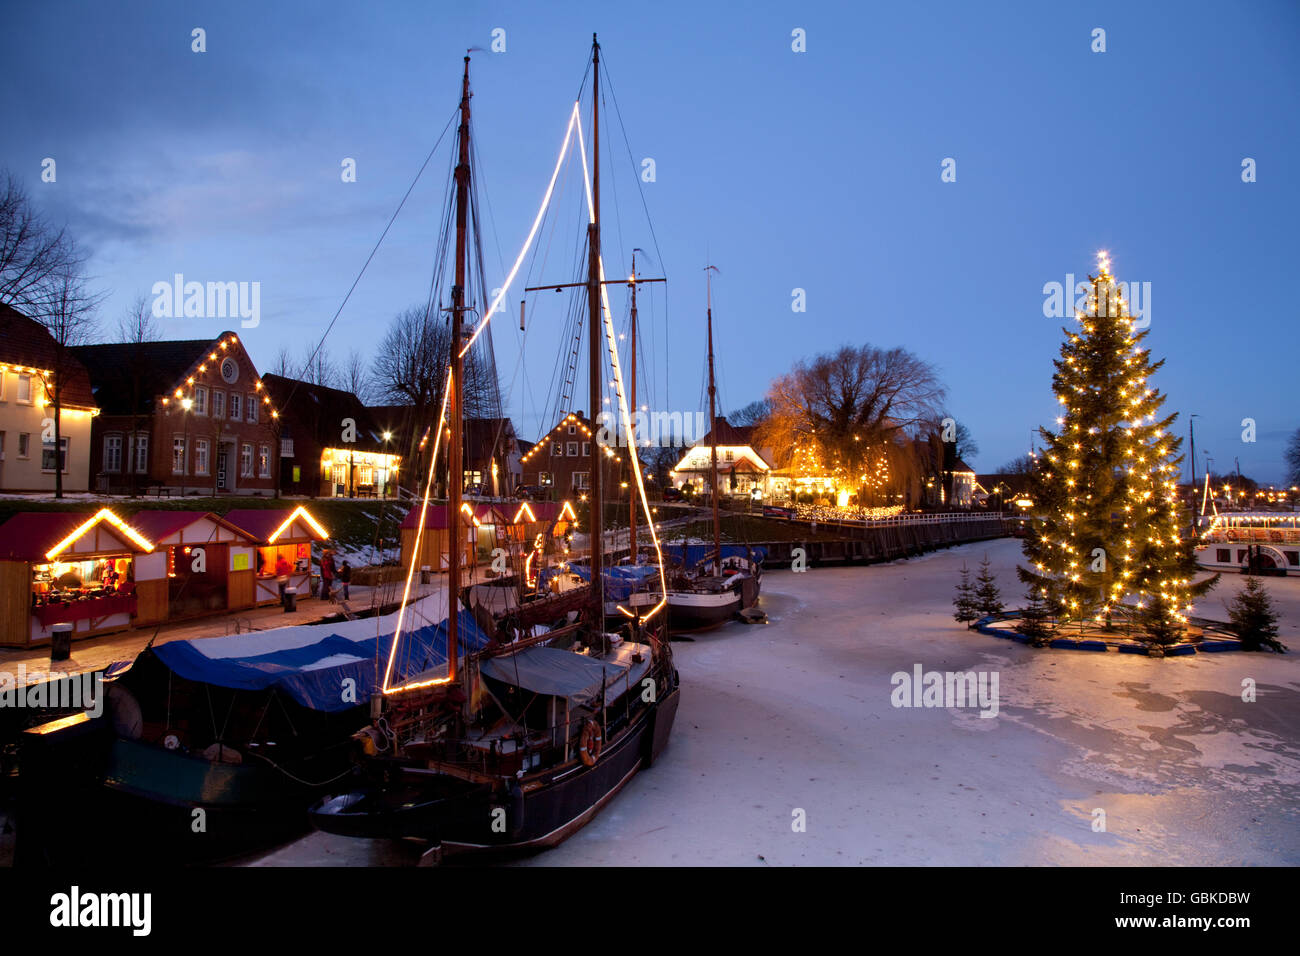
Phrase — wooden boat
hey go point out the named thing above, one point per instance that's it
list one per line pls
(522, 742)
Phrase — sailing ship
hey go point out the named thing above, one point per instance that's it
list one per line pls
(523, 741)
(706, 588)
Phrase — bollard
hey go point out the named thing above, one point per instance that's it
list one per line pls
(61, 642)
(290, 600)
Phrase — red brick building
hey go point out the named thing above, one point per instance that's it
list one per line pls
(192, 417)
(560, 462)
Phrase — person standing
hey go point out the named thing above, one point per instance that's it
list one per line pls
(345, 577)
(282, 570)
(327, 575)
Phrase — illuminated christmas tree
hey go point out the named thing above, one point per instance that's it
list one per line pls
(1107, 482)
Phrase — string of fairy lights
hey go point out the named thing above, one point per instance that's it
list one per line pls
(1129, 511)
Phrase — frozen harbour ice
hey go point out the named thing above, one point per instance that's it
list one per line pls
(796, 715)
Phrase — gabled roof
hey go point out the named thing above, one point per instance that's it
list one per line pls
(27, 343)
(728, 434)
(318, 411)
(436, 516)
(261, 523)
(157, 525)
(114, 367)
(561, 431)
(31, 535)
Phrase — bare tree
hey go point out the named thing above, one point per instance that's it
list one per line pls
(33, 253)
(1024, 465)
(318, 368)
(410, 368)
(752, 414)
(68, 313)
(1292, 458)
(136, 327)
(355, 376)
(851, 409)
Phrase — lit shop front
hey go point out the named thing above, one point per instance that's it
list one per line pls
(65, 568)
(349, 473)
(276, 533)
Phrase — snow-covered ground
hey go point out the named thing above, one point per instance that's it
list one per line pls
(796, 715)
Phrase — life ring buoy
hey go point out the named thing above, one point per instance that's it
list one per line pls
(590, 744)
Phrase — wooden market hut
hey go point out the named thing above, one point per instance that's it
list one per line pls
(59, 567)
(487, 528)
(290, 532)
(206, 561)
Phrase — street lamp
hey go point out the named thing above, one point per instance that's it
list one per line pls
(1191, 426)
(186, 405)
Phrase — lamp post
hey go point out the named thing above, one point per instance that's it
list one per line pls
(186, 405)
(1191, 426)
(388, 463)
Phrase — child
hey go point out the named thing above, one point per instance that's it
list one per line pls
(345, 577)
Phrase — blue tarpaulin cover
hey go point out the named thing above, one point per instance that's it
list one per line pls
(313, 674)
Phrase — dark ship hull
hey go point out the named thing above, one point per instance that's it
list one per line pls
(537, 811)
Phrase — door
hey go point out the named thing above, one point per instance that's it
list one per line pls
(223, 464)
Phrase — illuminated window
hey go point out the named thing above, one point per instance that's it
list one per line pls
(573, 449)
(557, 449)
(264, 460)
(581, 480)
(246, 460)
(201, 456)
(178, 455)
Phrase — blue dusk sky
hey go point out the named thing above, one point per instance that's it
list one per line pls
(816, 170)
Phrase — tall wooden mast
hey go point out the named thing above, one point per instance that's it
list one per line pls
(713, 433)
(632, 447)
(456, 414)
(595, 376)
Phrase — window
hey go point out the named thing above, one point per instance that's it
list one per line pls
(1292, 557)
(201, 400)
(246, 461)
(24, 388)
(586, 449)
(557, 449)
(47, 456)
(178, 455)
(731, 455)
(251, 406)
(286, 447)
(545, 479)
(1223, 555)
(573, 429)
(142, 454)
(24, 445)
(218, 403)
(580, 482)
(201, 456)
(264, 461)
(573, 449)
(113, 453)
(234, 406)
